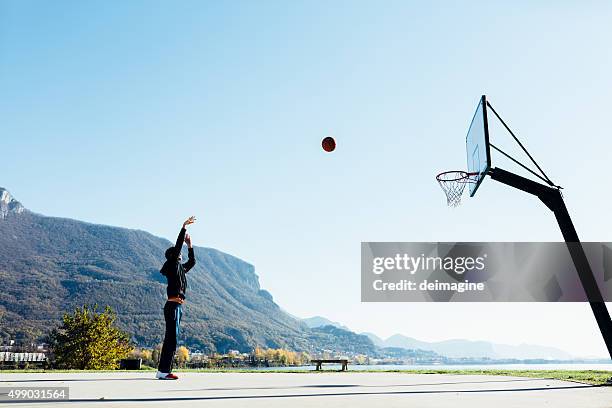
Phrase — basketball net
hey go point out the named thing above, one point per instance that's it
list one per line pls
(453, 183)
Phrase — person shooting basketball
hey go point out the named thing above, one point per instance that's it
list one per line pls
(175, 271)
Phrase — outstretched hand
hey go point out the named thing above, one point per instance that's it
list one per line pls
(188, 240)
(189, 221)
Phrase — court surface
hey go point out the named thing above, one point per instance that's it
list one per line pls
(137, 389)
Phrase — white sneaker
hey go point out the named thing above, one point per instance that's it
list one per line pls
(165, 376)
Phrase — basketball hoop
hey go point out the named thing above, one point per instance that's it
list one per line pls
(453, 183)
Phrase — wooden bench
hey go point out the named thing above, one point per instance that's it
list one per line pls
(319, 363)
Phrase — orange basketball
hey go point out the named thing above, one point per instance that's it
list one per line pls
(329, 144)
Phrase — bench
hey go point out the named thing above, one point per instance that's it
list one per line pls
(319, 363)
(130, 364)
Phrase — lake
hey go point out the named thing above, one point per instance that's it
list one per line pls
(353, 367)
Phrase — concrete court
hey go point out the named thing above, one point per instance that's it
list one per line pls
(329, 390)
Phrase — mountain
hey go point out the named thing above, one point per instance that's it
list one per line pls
(458, 348)
(412, 354)
(530, 351)
(375, 339)
(339, 341)
(318, 321)
(8, 204)
(448, 348)
(455, 348)
(50, 265)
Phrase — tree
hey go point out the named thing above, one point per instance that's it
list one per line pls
(361, 359)
(156, 354)
(89, 340)
(182, 356)
(146, 355)
(259, 354)
(270, 354)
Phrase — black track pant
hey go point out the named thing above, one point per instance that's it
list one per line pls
(172, 314)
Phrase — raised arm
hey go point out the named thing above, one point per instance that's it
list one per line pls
(191, 261)
(181, 237)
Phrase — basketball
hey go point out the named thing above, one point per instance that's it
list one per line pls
(329, 144)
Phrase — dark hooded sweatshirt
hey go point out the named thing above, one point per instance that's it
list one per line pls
(174, 271)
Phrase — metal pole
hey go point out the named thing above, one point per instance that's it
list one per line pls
(598, 306)
(552, 198)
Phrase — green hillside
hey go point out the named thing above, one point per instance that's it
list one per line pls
(52, 265)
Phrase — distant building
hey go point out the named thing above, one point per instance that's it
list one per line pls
(22, 348)
(7, 356)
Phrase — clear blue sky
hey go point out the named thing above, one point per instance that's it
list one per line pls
(140, 113)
